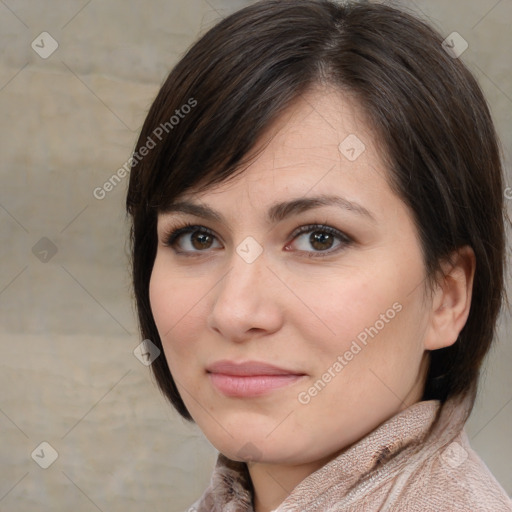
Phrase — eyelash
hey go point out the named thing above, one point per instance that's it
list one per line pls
(173, 233)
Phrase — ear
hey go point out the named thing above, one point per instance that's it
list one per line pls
(451, 299)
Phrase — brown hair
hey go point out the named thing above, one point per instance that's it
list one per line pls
(430, 114)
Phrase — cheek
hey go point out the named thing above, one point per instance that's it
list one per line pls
(370, 312)
(346, 302)
(160, 292)
(174, 306)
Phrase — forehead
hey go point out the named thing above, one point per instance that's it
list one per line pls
(321, 141)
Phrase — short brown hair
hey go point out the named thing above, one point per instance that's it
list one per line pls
(428, 110)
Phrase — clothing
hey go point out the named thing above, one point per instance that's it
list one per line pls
(409, 463)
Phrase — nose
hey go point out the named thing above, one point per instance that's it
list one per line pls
(246, 303)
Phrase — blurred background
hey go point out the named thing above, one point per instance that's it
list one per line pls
(76, 81)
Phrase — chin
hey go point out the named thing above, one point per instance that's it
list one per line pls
(262, 447)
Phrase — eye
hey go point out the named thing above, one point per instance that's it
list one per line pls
(321, 238)
(201, 239)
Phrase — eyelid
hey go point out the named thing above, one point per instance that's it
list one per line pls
(173, 232)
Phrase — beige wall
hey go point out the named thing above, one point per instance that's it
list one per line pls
(68, 375)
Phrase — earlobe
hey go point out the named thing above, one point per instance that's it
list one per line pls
(451, 300)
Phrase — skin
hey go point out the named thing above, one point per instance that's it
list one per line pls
(301, 312)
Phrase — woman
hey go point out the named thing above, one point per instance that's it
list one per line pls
(318, 250)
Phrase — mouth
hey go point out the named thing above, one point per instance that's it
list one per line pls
(250, 379)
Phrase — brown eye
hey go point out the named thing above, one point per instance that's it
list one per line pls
(200, 239)
(321, 239)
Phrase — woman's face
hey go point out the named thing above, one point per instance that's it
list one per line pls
(331, 321)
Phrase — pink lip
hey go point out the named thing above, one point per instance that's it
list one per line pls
(251, 378)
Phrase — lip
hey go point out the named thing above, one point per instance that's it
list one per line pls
(250, 378)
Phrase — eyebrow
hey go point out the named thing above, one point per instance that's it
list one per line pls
(277, 212)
